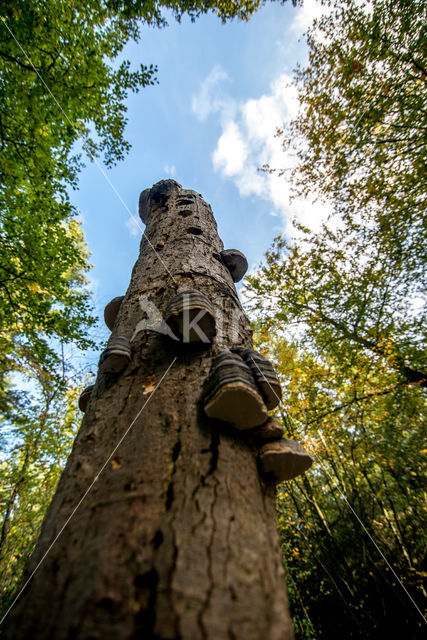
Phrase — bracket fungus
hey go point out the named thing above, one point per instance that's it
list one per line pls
(111, 311)
(236, 263)
(191, 317)
(230, 393)
(270, 430)
(84, 397)
(116, 356)
(284, 459)
(265, 376)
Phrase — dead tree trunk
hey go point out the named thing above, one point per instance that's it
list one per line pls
(177, 537)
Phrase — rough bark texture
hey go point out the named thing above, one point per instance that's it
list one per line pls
(177, 538)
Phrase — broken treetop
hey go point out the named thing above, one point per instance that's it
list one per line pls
(168, 196)
(151, 199)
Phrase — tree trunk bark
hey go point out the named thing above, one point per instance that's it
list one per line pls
(177, 538)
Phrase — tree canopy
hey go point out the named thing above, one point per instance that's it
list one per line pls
(341, 319)
(37, 435)
(342, 313)
(360, 133)
(362, 498)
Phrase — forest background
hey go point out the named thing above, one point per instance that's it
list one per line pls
(339, 309)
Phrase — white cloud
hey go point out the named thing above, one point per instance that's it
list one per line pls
(231, 152)
(170, 170)
(247, 140)
(211, 97)
(310, 10)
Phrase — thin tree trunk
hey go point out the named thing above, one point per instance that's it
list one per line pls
(31, 450)
(177, 538)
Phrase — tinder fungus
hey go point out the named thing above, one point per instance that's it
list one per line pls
(270, 430)
(264, 374)
(84, 397)
(191, 317)
(116, 356)
(236, 263)
(230, 393)
(284, 459)
(111, 311)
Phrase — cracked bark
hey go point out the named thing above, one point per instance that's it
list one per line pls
(177, 538)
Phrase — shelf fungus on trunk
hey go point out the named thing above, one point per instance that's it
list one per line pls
(284, 459)
(84, 397)
(236, 263)
(191, 317)
(111, 311)
(270, 430)
(116, 356)
(265, 376)
(230, 393)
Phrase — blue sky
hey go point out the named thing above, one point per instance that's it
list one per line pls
(209, 124)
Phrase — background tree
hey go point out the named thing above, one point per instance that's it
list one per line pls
(37, 432)
(342, 312)
(363, 423)
(360, 134)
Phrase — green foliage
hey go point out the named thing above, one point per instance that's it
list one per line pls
(366, 434)
(342, 318)
(62, 90)
(350, 297)
(360, 134)
(152, 11)
(57, 85)
(346, 307)
(36, 437)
